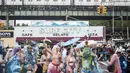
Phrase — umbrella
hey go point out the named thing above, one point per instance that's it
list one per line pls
(80, 45)
(72, 41)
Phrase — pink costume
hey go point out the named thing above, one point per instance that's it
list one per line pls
(53, 68)
(55, 65)
(116, 62)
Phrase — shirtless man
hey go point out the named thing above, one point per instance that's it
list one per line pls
(55, 66)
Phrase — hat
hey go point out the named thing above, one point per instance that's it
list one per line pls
(119, 50)
(29, 46)
(128, 50)
(42, 45)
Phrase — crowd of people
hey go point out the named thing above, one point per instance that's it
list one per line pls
(41, 57)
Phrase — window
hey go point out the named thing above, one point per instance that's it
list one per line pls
(20, 0)
(38, 0)
(29, 0)
(46, 0)
(63, 0)
(88, 0)
(55, 0)
(95, 0)
(80, 0)
(12, 0)
(103, 0)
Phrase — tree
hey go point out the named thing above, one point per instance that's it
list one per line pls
(18, 25)
(10, 28)
(23, 24)
(26, 24)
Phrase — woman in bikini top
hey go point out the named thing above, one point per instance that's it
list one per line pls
(45, 60)
(55, 65)
(70, 62)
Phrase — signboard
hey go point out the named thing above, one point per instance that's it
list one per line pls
(43, 23)
(6, 34)
(58, 31)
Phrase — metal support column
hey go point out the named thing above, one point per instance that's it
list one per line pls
(7, 19)
(122, 22)
(127, 32)
(113, 25)
(66, 17)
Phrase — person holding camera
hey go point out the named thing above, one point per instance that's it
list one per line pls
(114, 63)
(128, 61)
(1, 59)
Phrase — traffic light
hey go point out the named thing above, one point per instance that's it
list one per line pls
(1, 24)
(101, 10)
(98, 10)
(104, 10)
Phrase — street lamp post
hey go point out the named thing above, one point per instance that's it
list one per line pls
(113, 25)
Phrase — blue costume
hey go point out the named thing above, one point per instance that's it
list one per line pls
(123, 64)
(1, 53)
(13, 65)
(29, 59)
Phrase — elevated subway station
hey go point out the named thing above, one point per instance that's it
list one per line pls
(27, 12)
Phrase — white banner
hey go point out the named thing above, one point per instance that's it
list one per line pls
(58, 31)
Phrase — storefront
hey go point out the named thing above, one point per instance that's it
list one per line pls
(7, 38)
(58, 33)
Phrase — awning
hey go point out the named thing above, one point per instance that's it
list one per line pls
(18, 39)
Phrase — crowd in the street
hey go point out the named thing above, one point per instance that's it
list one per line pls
(84, 57)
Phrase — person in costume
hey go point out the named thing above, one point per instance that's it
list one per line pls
(122, 60)
(29, 60)
(56, 66)
(128, 61)
(1, 59)
(45, 60)
(70, 61)
(114, 60)
(89, 60)
(97, 68)
(13, 64)
(64, 56)
(40, 64)
(79, 57)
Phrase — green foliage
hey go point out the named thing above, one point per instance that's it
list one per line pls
(26, 24)
(18, 25)
(23, 24)
(108, 23)
(10, 28)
